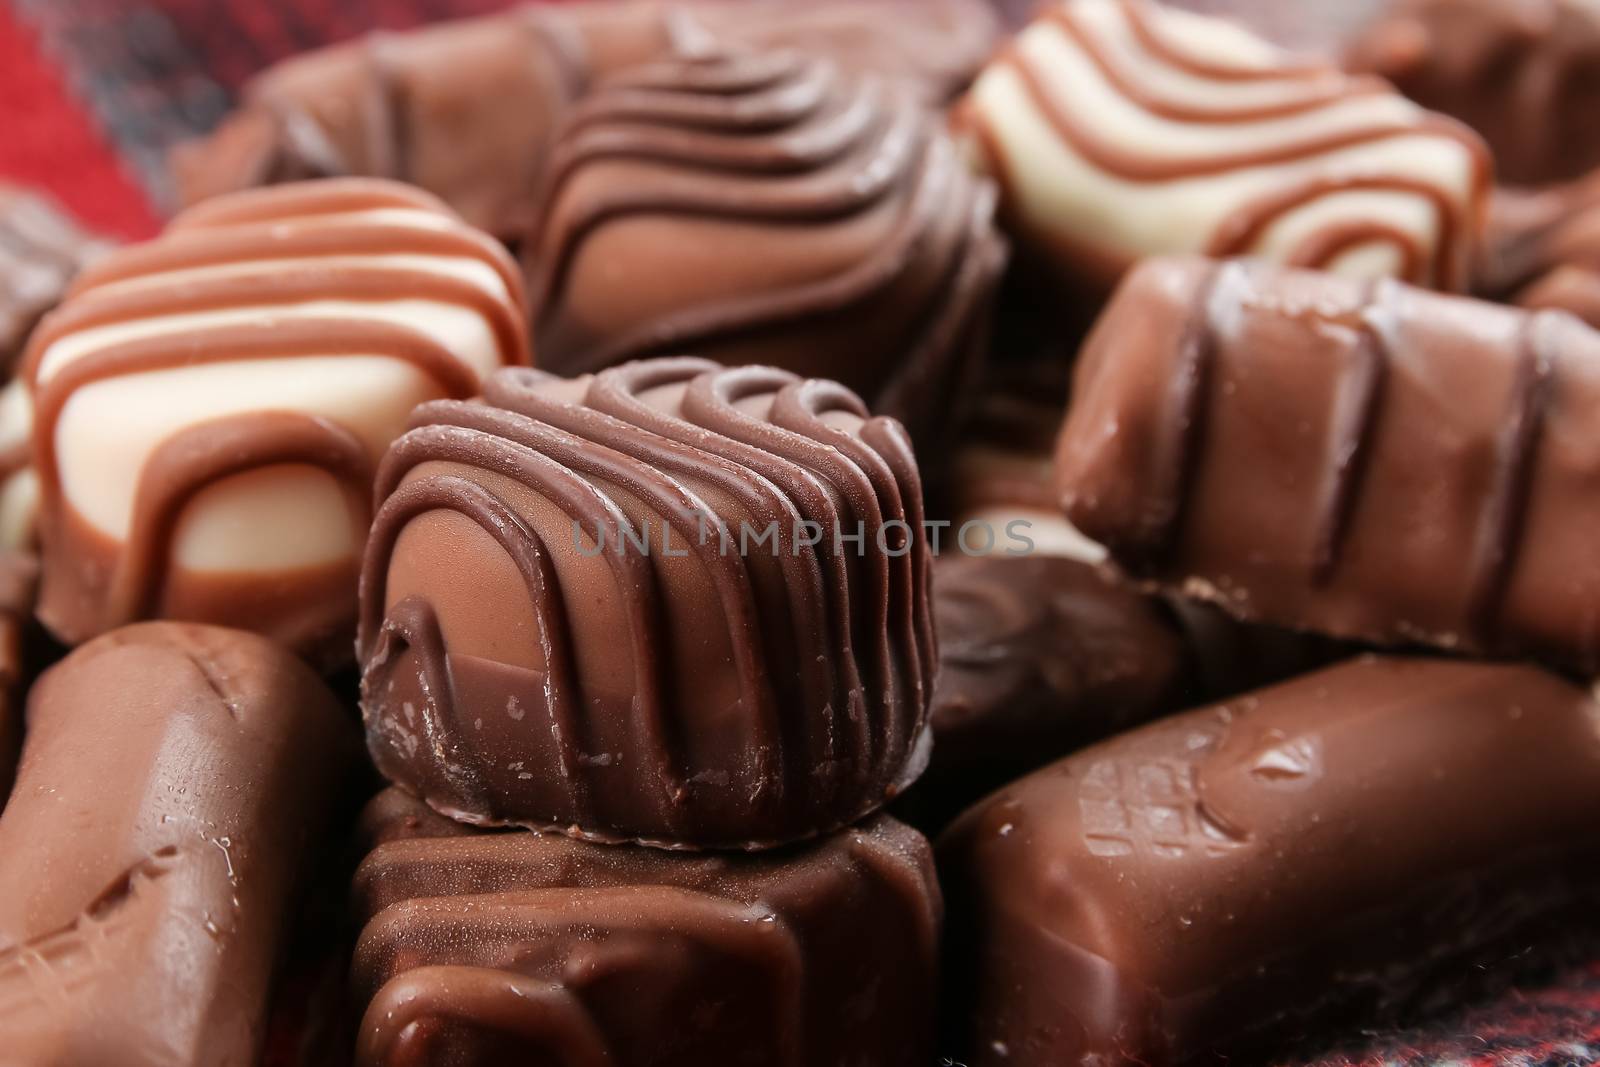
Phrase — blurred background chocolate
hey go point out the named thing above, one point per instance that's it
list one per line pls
(1524, 73)
(41, 250)
(1543, 248)
(1229, 875)
(1119, 129)
(19, 580)
(1366, 460)
(624, 606)
(767, 208)
(468, 109)
(174, 783)
(518, 947)
(211, 405)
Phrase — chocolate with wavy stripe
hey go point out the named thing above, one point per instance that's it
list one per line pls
(716, 681)
(1118, 129)
(763, 207)
(210, 406)
(485, 949)
(1365, 459)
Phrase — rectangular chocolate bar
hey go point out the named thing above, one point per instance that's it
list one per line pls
(172, 787)
(1367, 460)
(495, 948)
(1200, 883)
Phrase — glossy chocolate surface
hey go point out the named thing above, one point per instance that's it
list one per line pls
(174, 781)
(616, 605)
(1524, 73)
(468, 109)
(487, 949)
(1347, 837)
(1366, 460)
(767, 208)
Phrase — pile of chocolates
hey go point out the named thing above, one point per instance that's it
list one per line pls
(706, 447)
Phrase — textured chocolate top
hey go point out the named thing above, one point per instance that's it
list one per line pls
(467, 109)
(764, 208)
(173, 784)
(19, 579)
(493, 948)
(1523, 73)
(1367, 460)
(1120, 129)
(210, 405)
(1341, 837)
(713, 680)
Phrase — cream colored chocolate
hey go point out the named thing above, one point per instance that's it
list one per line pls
(173, 788)
(210, 406)
(1118, 129)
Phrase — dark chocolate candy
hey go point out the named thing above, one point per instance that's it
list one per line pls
(1366, 460)
(618, 605)
(1525, 74)
(1543, 248)
(766, 208)
(488, 949)
(468, 109)
(173, 783)
(1192, 885)
(19, 582)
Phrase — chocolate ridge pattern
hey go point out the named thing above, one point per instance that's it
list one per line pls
(774, 140)
(852, 629)
(1385, 341)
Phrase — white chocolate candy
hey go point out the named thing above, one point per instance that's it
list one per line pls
(210, 406)
(1118, 129)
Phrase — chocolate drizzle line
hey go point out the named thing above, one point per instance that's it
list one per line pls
(1239, 232)
(309, 221)
(852, 629)
(775, 139)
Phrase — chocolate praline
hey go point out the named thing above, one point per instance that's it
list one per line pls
(765, 207)
(672, 602)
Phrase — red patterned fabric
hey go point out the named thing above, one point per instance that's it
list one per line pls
(92, 95)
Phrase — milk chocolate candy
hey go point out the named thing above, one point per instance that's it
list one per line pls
(40, 252)
(1525, 75)
(1544, 248)
(765, 208)
(673, 601)
(468, 109)
(174, 781)
(211, 405)
(1187, 888)
(1365, 460)
(1120, 129)
(518, 947)
(19, 574)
